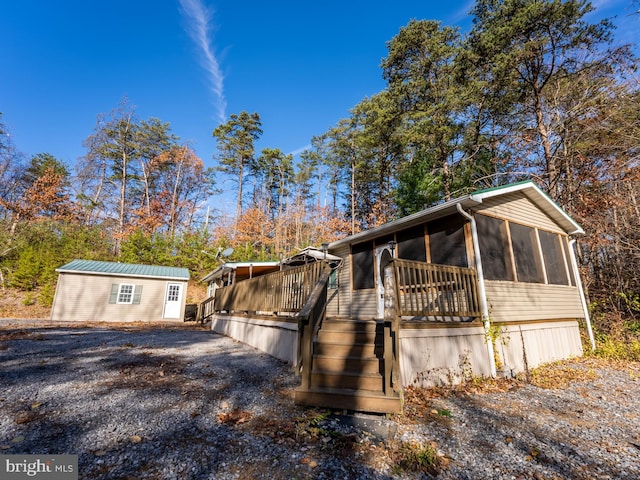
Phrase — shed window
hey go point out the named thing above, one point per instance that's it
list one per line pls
(411, 244)
(553, 258)
(125, 294)
(446, 241)
(525, 253)
(494, 248)
(362, 265)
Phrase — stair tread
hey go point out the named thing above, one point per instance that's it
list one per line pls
(351, 392)
(346, 357)
(346, 373)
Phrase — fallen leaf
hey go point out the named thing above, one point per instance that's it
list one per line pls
(135, 438)
(35, 405)
(235, 416)
(18, 439)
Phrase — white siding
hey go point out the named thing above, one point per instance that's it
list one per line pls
(435, 356)
(84, 297)
(518, 208)
(276, 338)
(528, 345)
(512, 301)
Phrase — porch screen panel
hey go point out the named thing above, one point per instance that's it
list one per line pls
(411, 244)
(446, 241)
(525, 253)
(362, 270)
(553, 259)
(494, 250)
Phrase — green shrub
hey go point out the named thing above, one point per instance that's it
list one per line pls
(611, 348)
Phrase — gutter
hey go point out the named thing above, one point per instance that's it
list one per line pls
(585, 307)
(482, 290)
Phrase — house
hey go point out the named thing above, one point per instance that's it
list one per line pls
(231, 272)
(89, 290)
(486, 284)
(520, 245)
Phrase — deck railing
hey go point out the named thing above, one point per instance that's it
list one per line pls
(282, 291)
(309, 322)
(440, 292)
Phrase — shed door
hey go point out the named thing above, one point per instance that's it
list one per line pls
(383, 255)
(173, 300)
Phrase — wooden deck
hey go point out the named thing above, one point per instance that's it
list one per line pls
(350, 364)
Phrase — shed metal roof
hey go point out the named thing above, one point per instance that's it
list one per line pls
(124, 269)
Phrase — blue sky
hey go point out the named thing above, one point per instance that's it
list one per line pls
(300, 65)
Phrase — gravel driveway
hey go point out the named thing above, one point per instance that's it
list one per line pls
(181, 402)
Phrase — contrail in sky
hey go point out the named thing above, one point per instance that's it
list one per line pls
(298, 151)
(198, 18)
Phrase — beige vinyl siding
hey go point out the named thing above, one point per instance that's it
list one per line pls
(517, 208)
(340, 301)
(350, 303)
(85, 297)
(511, 301)
(364, 304)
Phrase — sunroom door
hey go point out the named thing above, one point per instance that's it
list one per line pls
(383, 256)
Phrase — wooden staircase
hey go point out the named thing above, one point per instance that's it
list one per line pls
(348, 368)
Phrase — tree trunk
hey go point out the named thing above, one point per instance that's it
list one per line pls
(550, 163)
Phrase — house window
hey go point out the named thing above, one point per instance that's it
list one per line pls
(553, 258)
(411, 244)
(333, 279)
(494, 248)
(446, 241)
(362, 265)
(125, 294)
(523, 241)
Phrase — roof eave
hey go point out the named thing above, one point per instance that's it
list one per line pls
(120, 274)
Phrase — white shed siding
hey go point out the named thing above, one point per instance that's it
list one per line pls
(85, 297)
(512, 301)
(518, 208)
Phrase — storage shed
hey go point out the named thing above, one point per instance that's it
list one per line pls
(90, 290)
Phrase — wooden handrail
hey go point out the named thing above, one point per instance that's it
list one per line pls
(309, 321)
(205, 309)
